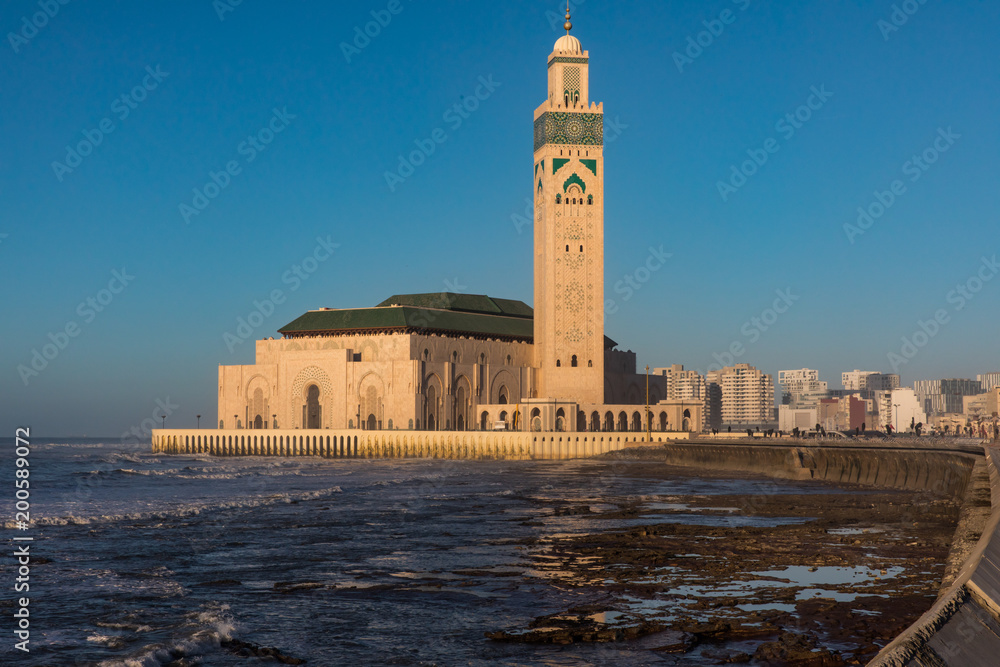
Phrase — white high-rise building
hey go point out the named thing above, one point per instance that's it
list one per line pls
(747, 395)
(989, 381)
(901, 408)
(861, 380)
(802, 388)
(682, 384)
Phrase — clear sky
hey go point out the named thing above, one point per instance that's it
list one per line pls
(327, 122)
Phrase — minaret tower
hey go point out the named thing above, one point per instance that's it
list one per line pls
(569, 231)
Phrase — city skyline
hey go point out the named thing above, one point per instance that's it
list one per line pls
(141, 285)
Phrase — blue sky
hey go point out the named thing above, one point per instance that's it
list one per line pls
(278, 71)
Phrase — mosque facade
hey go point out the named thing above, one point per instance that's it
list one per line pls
(460, 362)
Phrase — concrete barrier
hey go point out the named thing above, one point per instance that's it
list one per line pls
(962, 629)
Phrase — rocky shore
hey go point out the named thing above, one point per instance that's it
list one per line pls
(782, 576)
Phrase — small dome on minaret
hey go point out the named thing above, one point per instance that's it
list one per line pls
(567, 43)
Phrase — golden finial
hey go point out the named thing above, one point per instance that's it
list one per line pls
(567, 25)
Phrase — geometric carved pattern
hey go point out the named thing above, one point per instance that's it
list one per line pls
(574, 296)
(314, 374)
(580, 129)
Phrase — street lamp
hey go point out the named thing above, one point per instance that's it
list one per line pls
(199, 420)
(163, 421)
(274, 421)
(236, 420)
(896, 427)
(649, 435)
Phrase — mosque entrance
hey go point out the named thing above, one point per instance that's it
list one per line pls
(258, 422)
(312, 407)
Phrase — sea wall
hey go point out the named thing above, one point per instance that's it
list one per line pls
(943, 472)
(962, 629)
(505, 445)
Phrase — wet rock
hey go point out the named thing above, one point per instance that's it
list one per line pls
(796, 650)
(220, 582)
(251, 650)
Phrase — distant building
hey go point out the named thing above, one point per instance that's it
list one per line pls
(845, 413)
(746, 396)
(989, 380)
(982, 406)
(801, 388)
(939, 397)
(900, 407)
(870, 380)
(682, 386)
(804, 419)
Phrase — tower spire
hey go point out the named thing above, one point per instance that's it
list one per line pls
(567, 25)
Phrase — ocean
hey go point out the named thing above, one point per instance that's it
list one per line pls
(142, 559)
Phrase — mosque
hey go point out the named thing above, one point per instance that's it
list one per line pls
(461, 362)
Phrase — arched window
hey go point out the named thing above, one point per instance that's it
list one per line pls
(590, 199)
(558, 362)
(508, 360)
(567, 248)
(581, 248)
(558, 199)
(427, 355)
(454, 357)
(573, 362)
(590, 363)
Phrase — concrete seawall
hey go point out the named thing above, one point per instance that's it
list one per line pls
(942, 472)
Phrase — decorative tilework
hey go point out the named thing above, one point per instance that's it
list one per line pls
(557, 164)
(560, 127)
(571, 80)
(570, 61)
(574, 179)
(591, 165)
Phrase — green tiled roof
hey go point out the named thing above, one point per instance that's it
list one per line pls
(470, 303)
(447, 313)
